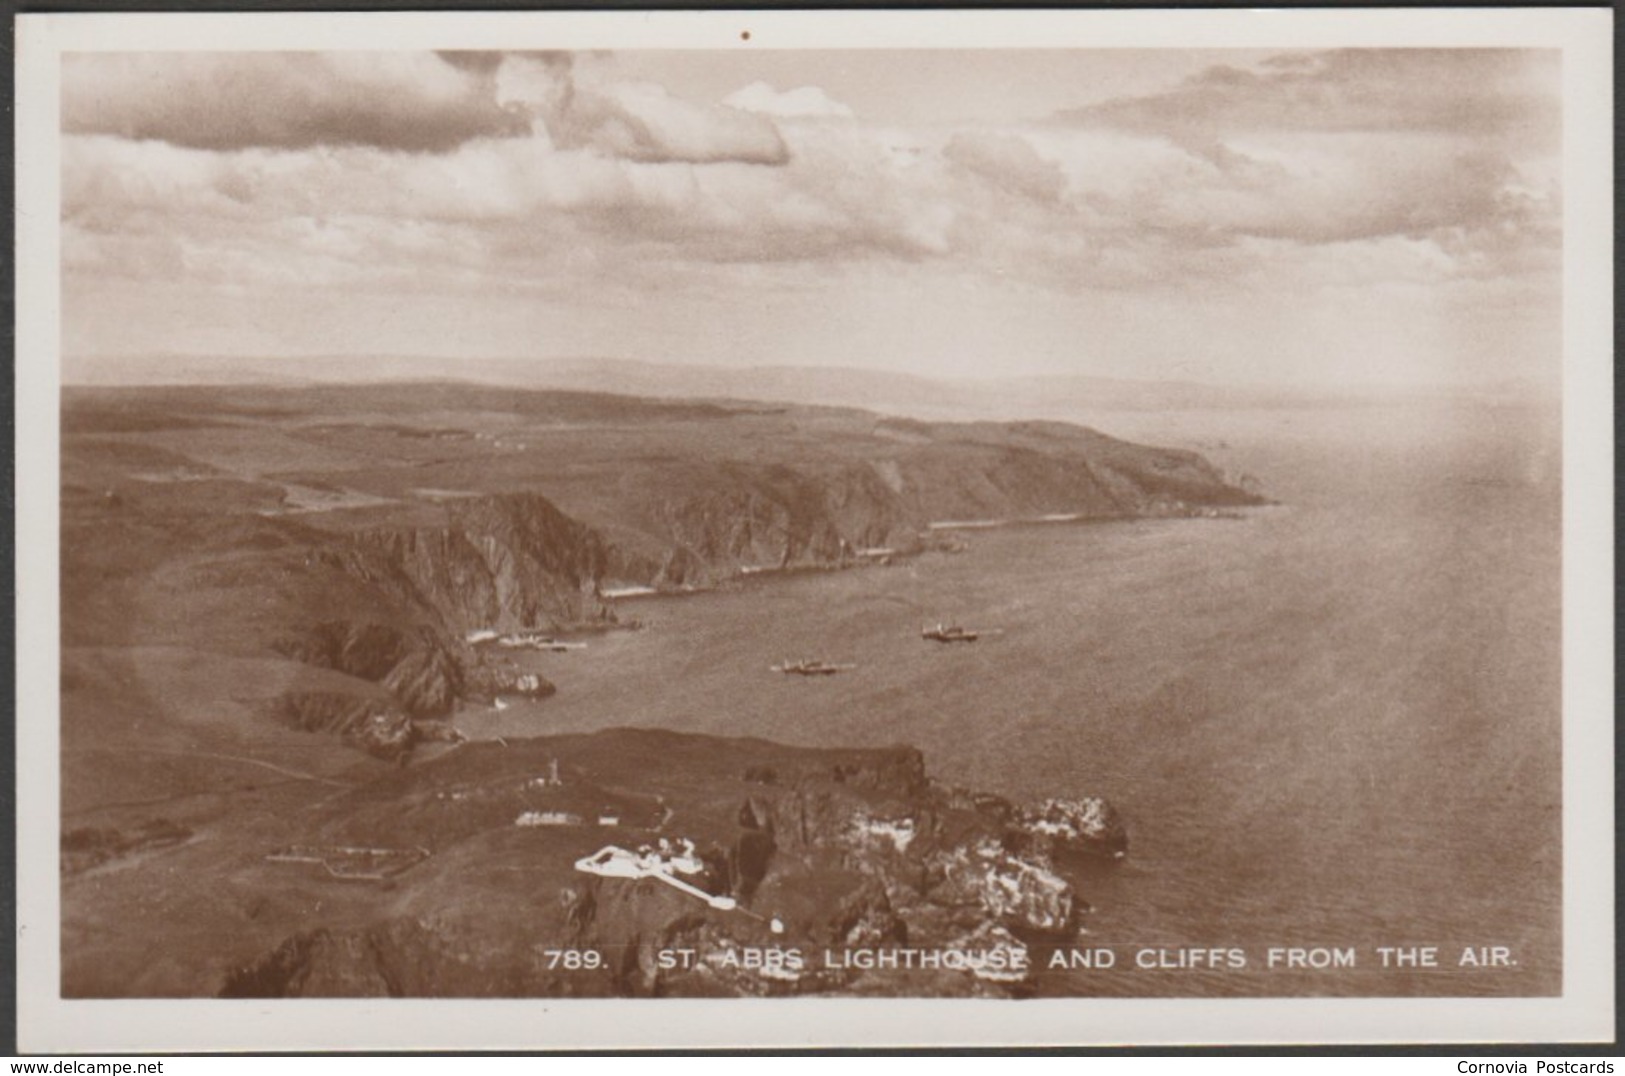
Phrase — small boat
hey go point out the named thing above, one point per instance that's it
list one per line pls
(951, 633)
(531, 640)
(809, 668)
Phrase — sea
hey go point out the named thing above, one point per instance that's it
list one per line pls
(1331, 724)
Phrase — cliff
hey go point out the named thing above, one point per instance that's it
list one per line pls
(504, 562)
(299, 522)
(827, 857)
(252, 575)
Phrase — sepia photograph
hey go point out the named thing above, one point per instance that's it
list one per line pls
(1069, 513)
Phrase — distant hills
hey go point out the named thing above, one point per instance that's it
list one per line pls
(1053, 396)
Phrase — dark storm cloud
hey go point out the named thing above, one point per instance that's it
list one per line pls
(413, 102)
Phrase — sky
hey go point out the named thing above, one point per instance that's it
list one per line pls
(1332, 218)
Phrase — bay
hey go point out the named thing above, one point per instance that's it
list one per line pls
(1331, 722)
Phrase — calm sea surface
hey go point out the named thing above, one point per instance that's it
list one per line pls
(1331, 723)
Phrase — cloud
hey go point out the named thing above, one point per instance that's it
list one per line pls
(614, 185)
(1009, 162)
(801, 102)
(1314, 190)
(1451, 148)
(1477, 93)
(644, 122)
(580, 108)
(415, 102)
(418, 102)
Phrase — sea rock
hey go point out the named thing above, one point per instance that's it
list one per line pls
(1088, 824)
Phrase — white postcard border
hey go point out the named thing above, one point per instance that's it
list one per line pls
(1585, 1011)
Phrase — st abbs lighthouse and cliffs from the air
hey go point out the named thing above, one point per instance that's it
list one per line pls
(314, 656)
(850, 642)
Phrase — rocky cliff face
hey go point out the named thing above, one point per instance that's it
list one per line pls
(505, 562)
(714, 520)
(778, 517)
(516, 561)
(711, 522)
(424, 671)
(833, 858)
(508, 562)
(374, 724)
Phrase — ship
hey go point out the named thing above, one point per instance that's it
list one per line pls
(951, 633)
(809, 668)
(531, 640)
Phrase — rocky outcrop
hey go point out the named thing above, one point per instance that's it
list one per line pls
(1016, 891)
(831, 856)
(1089, 824)
(487, 678)
(318, 963)
(372, 724)
(508, 562)
(424, 674)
